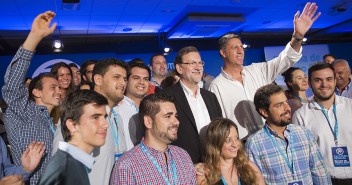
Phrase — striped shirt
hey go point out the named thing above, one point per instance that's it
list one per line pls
(308, 163)
(24, 120)
(134, 167)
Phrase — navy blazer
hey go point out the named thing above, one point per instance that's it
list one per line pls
(188, 136)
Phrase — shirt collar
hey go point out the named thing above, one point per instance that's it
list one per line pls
(78, 154)
(128, 101)
(229, 77)
(154, 152)
(314, 105)
(345, 88)
(153, 80)
(188, 91)
(287, 130)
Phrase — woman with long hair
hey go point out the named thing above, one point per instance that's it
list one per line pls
(226, 162)
(297, 84)
(63, 75)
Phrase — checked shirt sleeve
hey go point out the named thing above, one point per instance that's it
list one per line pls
(14, 91)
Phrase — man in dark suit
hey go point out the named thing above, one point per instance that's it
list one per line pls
(196, 107)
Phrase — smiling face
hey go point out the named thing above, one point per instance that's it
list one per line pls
(299, 81)
(113, 83)
(343, 73)
(159, 66)
(91, 129)
(138, 83)
(190, 75)
(50, 94)
(323, 84)
(76, 76)
(165, 124)
(231, 145)
(233, 54)
(64, 77)
(279, 112)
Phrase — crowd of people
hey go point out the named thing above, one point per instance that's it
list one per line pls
(112, 122)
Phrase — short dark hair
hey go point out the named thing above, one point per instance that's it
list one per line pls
(152, 57)
(263, 94)
(84, 66)
(288, 75)
(182, 52)
(319, 66)
(73, 65)
(138, 64)
(225, 39)
(72, 107)
(150, 105)
(37, 83)
(103, 65)
(328, 55)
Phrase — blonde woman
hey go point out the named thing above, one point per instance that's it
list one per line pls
(226, 162)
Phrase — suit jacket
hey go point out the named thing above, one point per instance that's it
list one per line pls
(188, 137)
(63, 169)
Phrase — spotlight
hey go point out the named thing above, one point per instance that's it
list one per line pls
(57, 46)
(246, 46)
(166, 49)
(305, 40)
(162, 45)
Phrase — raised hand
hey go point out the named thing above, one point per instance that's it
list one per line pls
(32, 156)
(40, 29)
(303, 22)
(41, 23)
(12, 180)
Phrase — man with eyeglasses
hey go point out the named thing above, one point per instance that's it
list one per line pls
(196, 107)
(236, 84)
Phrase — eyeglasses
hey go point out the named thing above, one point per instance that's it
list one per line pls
(193, 64)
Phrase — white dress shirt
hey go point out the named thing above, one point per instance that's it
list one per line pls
(312, 117)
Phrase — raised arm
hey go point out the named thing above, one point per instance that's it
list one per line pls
(40, 29)
(302, 23)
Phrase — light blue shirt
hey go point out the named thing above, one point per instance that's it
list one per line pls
(77, 154)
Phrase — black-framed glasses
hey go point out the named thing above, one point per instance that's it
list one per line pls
(193, 64)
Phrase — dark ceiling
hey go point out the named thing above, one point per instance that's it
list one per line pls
(135, 26)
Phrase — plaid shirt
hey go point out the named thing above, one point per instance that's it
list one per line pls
(134, 167)
(307, 159)
(24, 121)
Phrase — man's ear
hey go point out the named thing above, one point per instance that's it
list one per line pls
(222, 53)
(148, 122)
(263, 113)
(84, 77)
(97, 79)
(37, 93)
(71, 126)
(178, 68)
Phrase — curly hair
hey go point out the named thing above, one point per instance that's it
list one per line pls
(217, 132)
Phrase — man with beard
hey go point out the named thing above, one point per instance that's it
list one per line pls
(154, 160)
(285, 153)
(328, 117)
